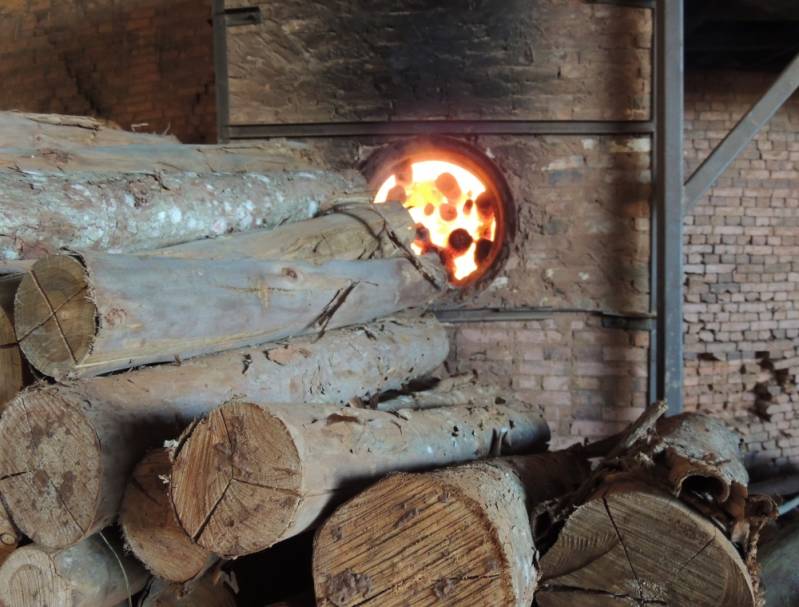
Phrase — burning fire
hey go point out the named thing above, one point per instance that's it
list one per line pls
(455, 214)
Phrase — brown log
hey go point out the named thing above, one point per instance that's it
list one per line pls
(9, 536)
(458, 536)
(150, 528)
(66, 451)
(204, 592)
(779, 573)
(94, 573)
(96, 313)
(631, 544)
(248, 476)
(14, 374)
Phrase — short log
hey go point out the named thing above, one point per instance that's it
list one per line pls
(248, 476)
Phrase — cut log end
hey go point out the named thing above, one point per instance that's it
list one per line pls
(150, 528)
(13, 375)
(30, 573)
(39, 457)
(632, 545)
(236, 481)
(55, 319)
(413, 539)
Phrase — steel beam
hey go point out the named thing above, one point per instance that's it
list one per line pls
(741, 136)
(440, 127)
(220, 70)
(669, 43)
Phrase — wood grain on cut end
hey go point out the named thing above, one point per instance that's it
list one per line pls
(632, 545)
(50, 470)
(236, 480)
(412, 539)
(54, 316)
(150, 527)
(93, 573)
(201, 593)
(13, 375)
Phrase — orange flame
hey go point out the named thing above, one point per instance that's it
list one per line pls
(455, 215)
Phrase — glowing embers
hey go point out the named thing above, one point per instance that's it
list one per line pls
(455, 214)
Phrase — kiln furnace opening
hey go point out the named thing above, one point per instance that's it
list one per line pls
(457, 198)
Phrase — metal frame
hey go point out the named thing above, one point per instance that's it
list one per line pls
(741, 136)
(667, 211)
(220, 70)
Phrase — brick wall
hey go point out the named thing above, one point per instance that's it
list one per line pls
(135, 62)
(742, 266)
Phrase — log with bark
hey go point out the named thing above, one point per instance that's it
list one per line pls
(778, 557)
(248, 476)
(9, 536)
(14, 374)
(66, 451)
(204, 592)
(96, 313)
(150, 528)
(665, 519)
(457, 536)
(43, 213)
(93, 573)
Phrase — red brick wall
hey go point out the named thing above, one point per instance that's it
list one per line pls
(135, 62)
(742, 265)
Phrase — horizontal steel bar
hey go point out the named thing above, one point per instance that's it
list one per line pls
(440, 127)
(609, 320)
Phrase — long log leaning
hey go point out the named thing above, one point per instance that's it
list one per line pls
(248, 476)
(357, 230)
(80, 317)
(66, 451)
(201, 593)
(93, 573)
(14, 373)
(631, 544)
(150, 528)
(457, 536)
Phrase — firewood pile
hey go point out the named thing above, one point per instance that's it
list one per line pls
(209, 351)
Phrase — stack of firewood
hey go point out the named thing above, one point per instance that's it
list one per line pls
(230, 349)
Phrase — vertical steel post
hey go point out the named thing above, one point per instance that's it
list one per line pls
(668, 200)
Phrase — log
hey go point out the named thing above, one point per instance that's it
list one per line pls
(14, 373)
(632, 544)
(780, 485)
(93, 573)
(97, 313)
(66, 451)
(9, 536)
(204, 592)
(42, 213)
(150, 528)
(348, 232)
(448, 392)
(458, 536)
(248, 475)
(778, 571)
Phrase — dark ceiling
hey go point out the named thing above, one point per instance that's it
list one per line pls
(760, 35)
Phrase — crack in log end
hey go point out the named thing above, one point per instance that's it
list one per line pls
(624, 547)
(624, 598)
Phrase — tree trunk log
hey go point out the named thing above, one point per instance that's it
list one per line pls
(202, 593)
(90, 574)
(631, 544)
(150, 528)
(458, 536)
(353, 231)
(249, 476)
(43, 213)
(14, 373)
(450, 392)
(779, 573)
(66, 451)
(9, 537)
(101, 313)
